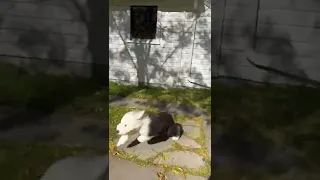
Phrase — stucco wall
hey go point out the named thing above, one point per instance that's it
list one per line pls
(51, 29)
(280, 34)
(55, 33)
(50, 32)
(181, 51)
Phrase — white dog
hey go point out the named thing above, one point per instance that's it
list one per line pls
(149, 126)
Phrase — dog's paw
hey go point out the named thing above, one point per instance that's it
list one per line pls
(119, 143)
(123, 139)
(133, 143)
(175, 138)
(130, 145)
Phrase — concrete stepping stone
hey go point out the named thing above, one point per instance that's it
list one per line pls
(120, 169)
(173, 176)
(182, 159)
(86, 167)
(185, 141)
(207, 130)
(191, 128)
(63, 129)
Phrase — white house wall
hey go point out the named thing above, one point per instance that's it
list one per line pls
(54, 29)
(180, 53)
(286, 38)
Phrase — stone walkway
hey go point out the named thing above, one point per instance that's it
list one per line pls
(59, 128)
(165, 154)
(133, 171)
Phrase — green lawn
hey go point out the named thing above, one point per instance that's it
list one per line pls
(269, 117)
(198, 97)
(20, 161)
(97, 101)
(280, 117)
(40, 91)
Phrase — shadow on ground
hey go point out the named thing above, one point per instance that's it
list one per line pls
(186, 109)
(154, 140)
(194, 102)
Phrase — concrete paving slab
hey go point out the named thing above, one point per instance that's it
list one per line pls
(120, 169)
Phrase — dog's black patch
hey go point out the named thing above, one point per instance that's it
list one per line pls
(160, 123)
(162, 126)
(158, 139)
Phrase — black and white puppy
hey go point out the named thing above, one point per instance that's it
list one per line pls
(155, 126)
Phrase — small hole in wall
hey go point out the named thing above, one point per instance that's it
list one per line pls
(143, 22)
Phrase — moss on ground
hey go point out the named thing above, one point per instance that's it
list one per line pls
(200, 98)
(96, 103)
(116, 113)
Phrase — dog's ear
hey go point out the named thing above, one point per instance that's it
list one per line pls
(179, 129)
(171, 131)
(175, 130)
(138, 114)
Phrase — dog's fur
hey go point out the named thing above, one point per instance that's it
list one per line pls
(160, 126)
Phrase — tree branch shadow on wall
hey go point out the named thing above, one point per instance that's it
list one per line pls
(139, 55)
(93, 15)
(240, 146)
(150, 64)
(42, 43)
(285, 53)
(37, 43)
(280, 51)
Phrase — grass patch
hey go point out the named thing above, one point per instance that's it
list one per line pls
(92, 103)
(95, 104)
(116, 113)
(200, 98)
(48, 92)
(28, 161)
(40, 91)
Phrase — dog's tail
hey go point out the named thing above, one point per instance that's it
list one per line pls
(175, 131)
